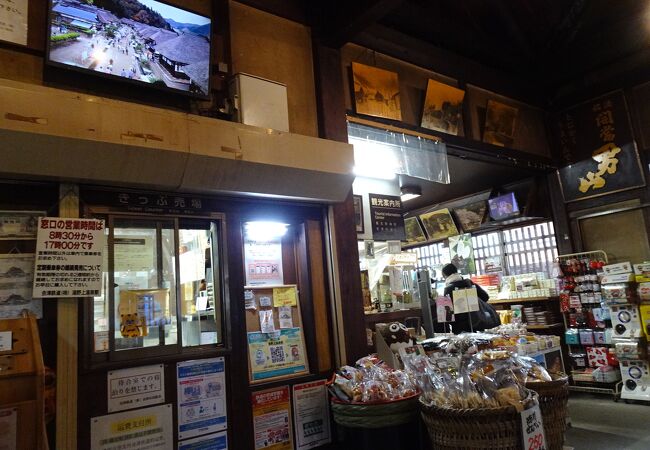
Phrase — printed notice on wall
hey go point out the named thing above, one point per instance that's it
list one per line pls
(272, 419)
(216, 441)
(312, 422)
(263, 261)
(136, 387)
(201, 397)
(13, 21)
(69, 257)
(276, 354)
(16, 283)
(8, 426)
(146, 428)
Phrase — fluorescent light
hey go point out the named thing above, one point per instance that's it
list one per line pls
(410, 192)
(407, 197)
(265, 231)
(374, 159)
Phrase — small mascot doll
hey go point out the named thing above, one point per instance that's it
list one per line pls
(397, 336)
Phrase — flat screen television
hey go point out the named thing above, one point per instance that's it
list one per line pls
(143, 42)
(504, 206)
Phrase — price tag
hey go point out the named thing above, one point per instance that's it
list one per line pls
(533, 429)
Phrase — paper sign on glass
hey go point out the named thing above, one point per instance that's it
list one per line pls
(137, 428)
(136, 387)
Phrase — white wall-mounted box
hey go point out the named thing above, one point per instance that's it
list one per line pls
(259, 102)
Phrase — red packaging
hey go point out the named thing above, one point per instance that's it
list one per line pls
(597, 356)
(591, 320)
(564, 302)
(573, 320)
(612, 360)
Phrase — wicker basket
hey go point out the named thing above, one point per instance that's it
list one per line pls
(375, 415)
(484, 428)
(553, 398)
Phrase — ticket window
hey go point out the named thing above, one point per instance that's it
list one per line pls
(162, 289)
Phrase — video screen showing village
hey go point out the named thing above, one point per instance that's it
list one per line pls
(143, 40)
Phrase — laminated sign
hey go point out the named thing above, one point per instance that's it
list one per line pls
(69, 257)
(533, 429)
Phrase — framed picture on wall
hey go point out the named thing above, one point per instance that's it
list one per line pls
(414, 232)
(500, 123)
(376, 92)
(470, 217)
(439, 224)
(358, 212)
(443, 108)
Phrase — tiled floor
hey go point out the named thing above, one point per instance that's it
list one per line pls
(597, 422)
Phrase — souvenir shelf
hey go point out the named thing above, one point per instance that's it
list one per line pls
(586, 320)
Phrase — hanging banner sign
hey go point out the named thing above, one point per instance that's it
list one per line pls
(201, 397)
(13, 21)
(69, 257)
(312, 418)
(272, 419)
(386, 217)
(136, 387)
(139, 428)
(598, 149)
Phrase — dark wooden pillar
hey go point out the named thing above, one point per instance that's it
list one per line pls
(330, 99)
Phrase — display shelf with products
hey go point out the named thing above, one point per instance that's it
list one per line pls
(588, 336)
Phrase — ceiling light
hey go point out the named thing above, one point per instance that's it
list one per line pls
(265, 231)
(410, 192)
(373, 159)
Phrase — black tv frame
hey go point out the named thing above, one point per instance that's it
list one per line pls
(127, 81)
(505, 217)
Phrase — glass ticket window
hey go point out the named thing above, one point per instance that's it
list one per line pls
(162, 290)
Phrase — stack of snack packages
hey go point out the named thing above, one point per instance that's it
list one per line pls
(371, 380)
(486, 379)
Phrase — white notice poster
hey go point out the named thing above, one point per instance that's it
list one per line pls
(136, 387)
(69, 257)
(201, 397)
(8, 420)
(311, 417)
(13, 21)
(263, 262)
(144, 429)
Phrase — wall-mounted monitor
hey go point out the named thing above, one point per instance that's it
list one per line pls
(504, 206)
(143, 42)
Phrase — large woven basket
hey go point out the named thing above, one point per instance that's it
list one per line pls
(375, 415)
(553, 399)
(461, 429)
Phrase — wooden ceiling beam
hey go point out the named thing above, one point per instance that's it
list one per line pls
(337, 24)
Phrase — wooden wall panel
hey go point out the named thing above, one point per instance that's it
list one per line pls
(280, 50)
(319, 296)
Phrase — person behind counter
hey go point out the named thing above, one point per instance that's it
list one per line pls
(486, 317)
